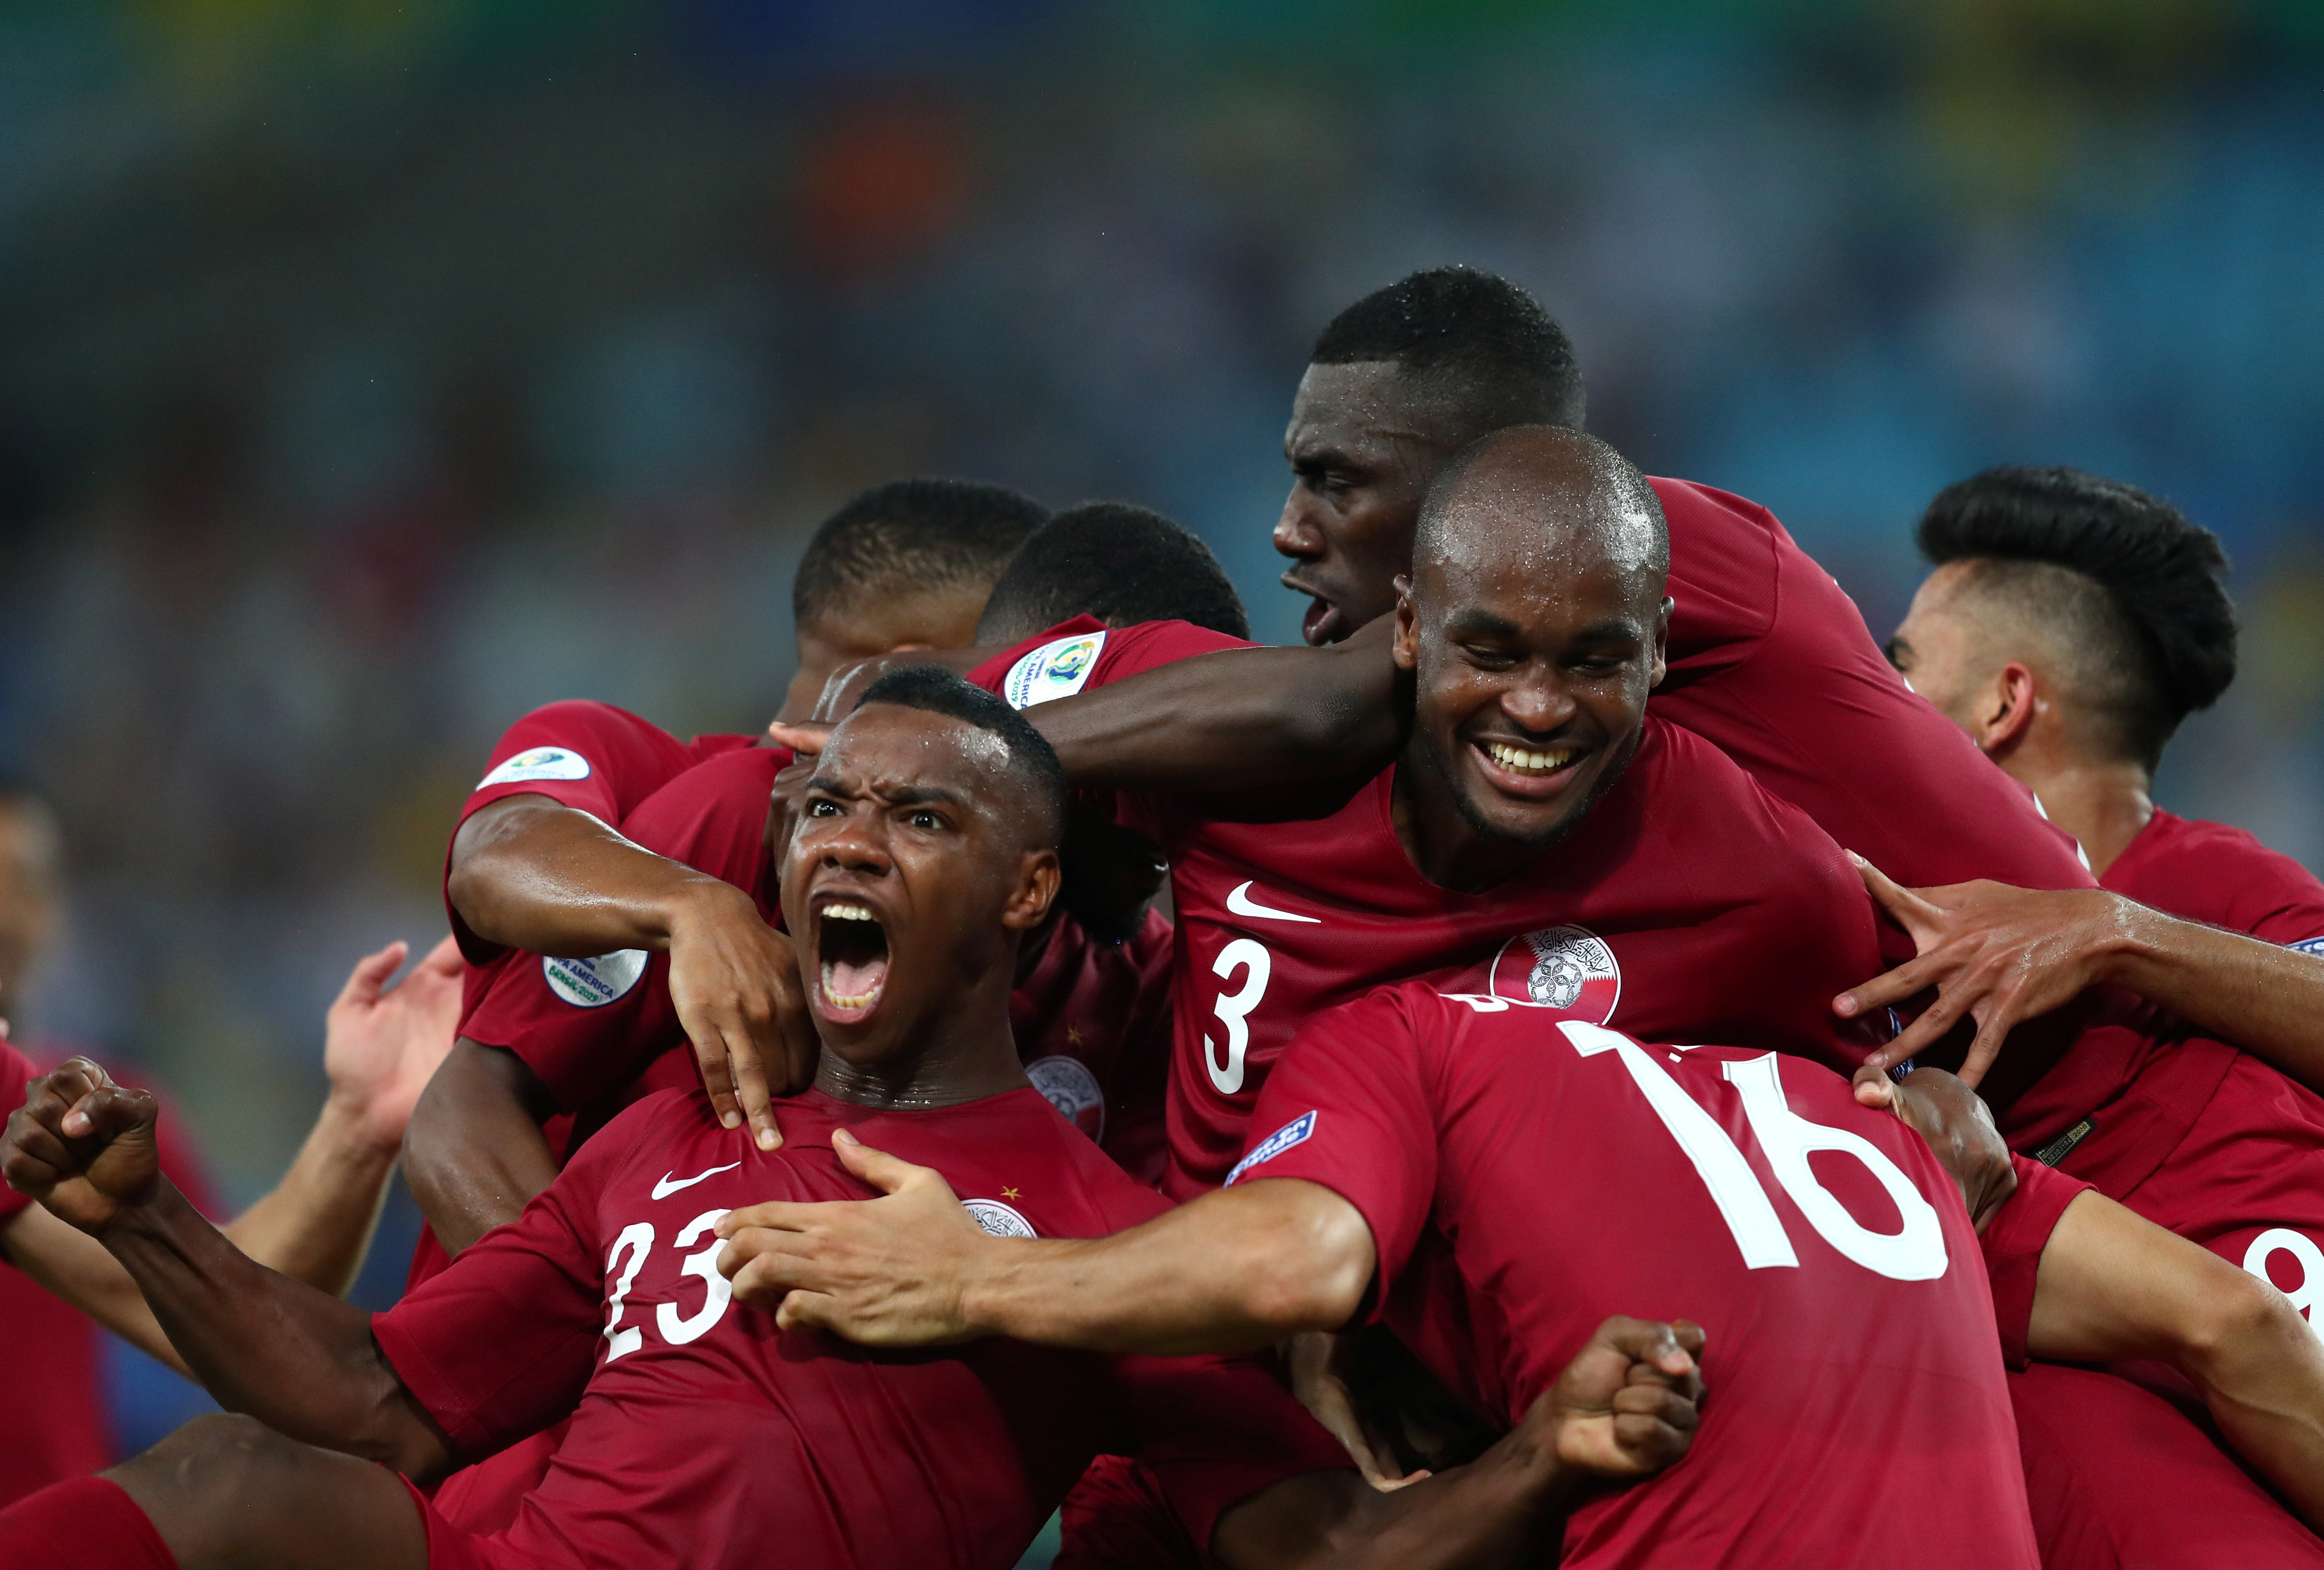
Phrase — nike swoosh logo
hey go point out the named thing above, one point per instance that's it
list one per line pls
(1242, 904)
(665, 1189)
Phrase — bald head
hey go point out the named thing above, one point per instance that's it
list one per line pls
(1548, 500)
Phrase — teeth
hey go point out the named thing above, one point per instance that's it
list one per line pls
(846, 913)
(838, 1000)
(1519, 761)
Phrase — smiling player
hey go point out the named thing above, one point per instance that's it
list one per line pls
(926, 849)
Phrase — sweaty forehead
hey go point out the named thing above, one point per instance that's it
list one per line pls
(1521, 527)
(886, 747)
(1367, 403)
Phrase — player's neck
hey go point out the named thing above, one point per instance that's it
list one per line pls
(962, 1051)
(1441, 844)
(2103, 805)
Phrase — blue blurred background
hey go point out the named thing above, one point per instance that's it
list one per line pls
(374, 372)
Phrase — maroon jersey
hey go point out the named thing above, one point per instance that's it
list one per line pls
(1771, 661)
(1093, 1023)
(2223, 877)
(589, 756)
(56, 1426)
(1690, 904)
(701, 1434)
(1577, 1174)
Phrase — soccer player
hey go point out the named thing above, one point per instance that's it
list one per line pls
(380, 1044)
(1850, 1335)
(704, 1435)
(903, 566)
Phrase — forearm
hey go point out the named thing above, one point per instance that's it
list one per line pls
(1235, 719)
(1232, 1271)
(475, 1154)
(300, 1360)
(316, 1225)
(74, 1267)
(1497, 1510)
(2265, 999)
(531, 873)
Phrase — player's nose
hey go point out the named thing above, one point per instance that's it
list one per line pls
(1296, 533)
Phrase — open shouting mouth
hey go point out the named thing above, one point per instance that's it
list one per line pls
(851, 961)
(1527, 771)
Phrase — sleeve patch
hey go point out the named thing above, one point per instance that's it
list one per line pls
(2307, 945)
(592, 983)
(538, 764)
(1058, 670)
(1294, 1133)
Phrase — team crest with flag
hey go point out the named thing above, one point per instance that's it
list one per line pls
(1566, 968)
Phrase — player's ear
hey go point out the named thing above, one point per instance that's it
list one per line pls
(1661, 666)
(1407, 624)
(2009, 707)
(1036, 889)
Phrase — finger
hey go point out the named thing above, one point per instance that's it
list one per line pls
(1647, 1340)
(717, 1077)
(806, 738)
(1934, 1023)
(750, 1075)
(369, 977)
(1991, 1032)
(443, 959)
(805, 1311)
(1649, 1442)
(109, 1112)
(773, 1215)
(1875, 1089)
(36, 1153)
(884, 1172)
(1890, 987)
(1893, 896)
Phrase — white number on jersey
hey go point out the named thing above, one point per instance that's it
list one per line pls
(1915, 1253)
(716, 1289)
(637, 1240)
(1233, 1009)
(2283, 1240)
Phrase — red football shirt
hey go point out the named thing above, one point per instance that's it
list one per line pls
(590, 756)
(702, 1435)
(1771, 661)
(2222, 876)
(1577, 1174)
(1692, 904)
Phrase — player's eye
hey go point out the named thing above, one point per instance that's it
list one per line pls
(922, 818)
(823, 807)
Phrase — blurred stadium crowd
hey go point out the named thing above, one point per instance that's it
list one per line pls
(374, 377)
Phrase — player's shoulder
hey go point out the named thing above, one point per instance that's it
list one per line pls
(728, 790)
(661, 1124)
(1102, 1197)
(1699, 506)
(1063, 659)
(2225, 875)
(1724, 823)
(574, 737)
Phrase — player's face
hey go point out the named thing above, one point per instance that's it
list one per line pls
(1361, 456)
(1934, 649)
(832, 643)
(906, 876)
(1533, 656)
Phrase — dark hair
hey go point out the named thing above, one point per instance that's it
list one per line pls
(909, 537)
(1121, 564)
(1476, 338)
(936, 690)
(2135, 588)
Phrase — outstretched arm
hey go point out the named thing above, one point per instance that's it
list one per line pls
(535, 874)
(381, 1045)
(1231, 1272)
(2113, 1287)
(1624, 1409)
(300, 1360)
(2001, 955)
(475, 1153)
(1236, 719)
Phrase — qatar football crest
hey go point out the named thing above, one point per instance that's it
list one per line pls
(1566, 968)
(1073, 1090)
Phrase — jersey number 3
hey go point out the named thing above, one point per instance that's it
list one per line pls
(1233, 1009)
(1915, 1253)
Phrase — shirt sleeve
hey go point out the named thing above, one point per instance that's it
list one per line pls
(1348, 1106)
(501, 1344)
(2012, 1242)
(1216, 1430)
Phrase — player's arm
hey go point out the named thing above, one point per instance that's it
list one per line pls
(1625, 1407)
(2113, 1286)
(2001, 955)
(537, 875)
(300, 1360)
(1231, 1272)
(1234, 719)
(475, 1153)
(379, 1047)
